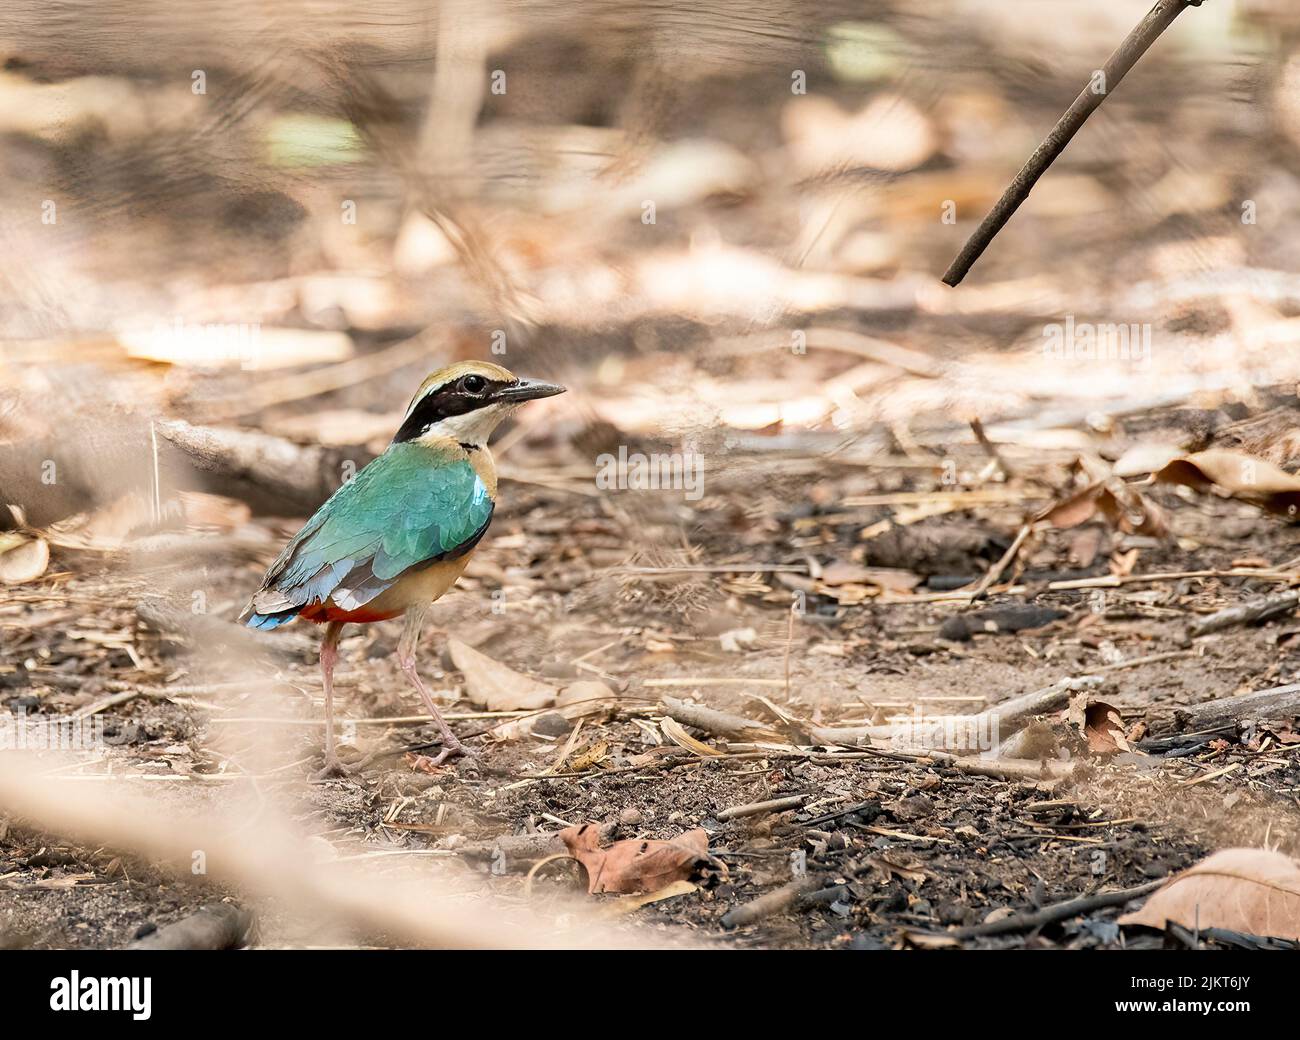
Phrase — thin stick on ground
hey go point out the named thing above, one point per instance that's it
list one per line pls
(1144, 34)
(1057, 912)
(995, 572)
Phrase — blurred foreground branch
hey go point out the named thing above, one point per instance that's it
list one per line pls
(279, 865)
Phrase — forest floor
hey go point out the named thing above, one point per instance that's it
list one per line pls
(900, 850)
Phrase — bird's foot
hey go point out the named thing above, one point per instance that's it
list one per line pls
(450, 749)
(335, 766)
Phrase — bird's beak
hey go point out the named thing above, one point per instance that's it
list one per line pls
(528, 390)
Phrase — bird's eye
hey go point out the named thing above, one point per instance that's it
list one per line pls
(473, 384)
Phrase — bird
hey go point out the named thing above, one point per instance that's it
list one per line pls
(399, 533)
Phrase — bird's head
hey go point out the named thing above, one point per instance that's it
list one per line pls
(466, 401)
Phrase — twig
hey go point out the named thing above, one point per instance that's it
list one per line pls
(718, 723)
(705, 680)
(758, 808)
(789, 644)
(1004, 717)
(1276, 702)
(1105, 581)
(772, 902)
(1056, 912)
(959, 499)
(281, 866)
(1134, 662)
(1144, 34)
(1255, 610)
(989, 447)
(995, 572)
(202, 629)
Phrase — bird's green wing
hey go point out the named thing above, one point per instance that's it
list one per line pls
(409, 507)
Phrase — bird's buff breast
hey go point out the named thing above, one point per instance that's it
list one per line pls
(416, 589)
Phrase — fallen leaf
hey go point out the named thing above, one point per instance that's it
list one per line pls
(109, 527)
(1241, 890)
(673, 731)
(1124, 507)
(1103, 728)
(584, 691)
(421, 763)
(1074, 509)
(1237, 475)
(25, 560)
(639, 864)
(628, 904)
(589, 756)
(495, 686)
(1142, 459)
(891, 868)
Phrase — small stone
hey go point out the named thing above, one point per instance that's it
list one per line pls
(630, 816)
(552, 724)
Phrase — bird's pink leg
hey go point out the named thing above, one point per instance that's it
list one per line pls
(329, 655)
(451, 744)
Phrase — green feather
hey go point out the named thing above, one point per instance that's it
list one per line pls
(412, 505)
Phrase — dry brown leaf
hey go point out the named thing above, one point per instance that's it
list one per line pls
(1242, 890)
(1098, 723)
(1240, 476)
(25, 559)
(673, 731)
(1103, 728)
(584, 691)
(495, 686)
(1124, 507)
(421, 763)
(638, 864)
(589, 756)
(1074, 509)
(628, 904)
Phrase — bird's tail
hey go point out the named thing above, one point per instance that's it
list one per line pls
(267, 622)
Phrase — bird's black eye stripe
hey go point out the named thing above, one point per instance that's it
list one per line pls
(456, 398)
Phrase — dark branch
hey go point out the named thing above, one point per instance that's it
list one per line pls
(1157, 20)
